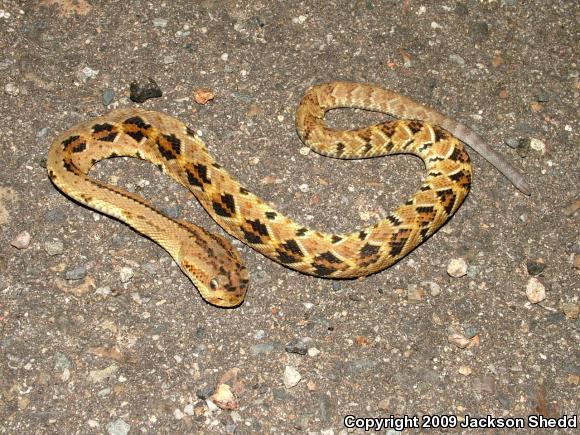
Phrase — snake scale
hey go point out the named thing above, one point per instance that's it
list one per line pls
(210, 260)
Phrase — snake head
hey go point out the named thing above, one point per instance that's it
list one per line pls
(218, 273)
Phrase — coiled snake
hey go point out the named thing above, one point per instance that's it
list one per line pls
(208, 259)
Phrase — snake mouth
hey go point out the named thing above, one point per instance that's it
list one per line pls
(225, 302)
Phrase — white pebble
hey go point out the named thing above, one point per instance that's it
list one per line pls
(434, 288)
(538, 145)
(103, 291)
(126, 274)
(300, 19)
(224, 57)
(118, 427)
(178, 414)
(89, 73)
(457, 268)
(21, 241)
(465, 370)
(11, 89)
(535, 290)
(312, 351)
(304, 188)
(188, 409)
(291, 377)
(211, 406)
(304, 151)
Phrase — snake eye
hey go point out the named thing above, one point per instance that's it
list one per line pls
(214, 284)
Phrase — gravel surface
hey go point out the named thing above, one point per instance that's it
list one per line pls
(100, 332)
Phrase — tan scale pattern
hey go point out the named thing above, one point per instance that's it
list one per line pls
(210, 260)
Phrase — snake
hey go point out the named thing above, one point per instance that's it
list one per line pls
(210, 260)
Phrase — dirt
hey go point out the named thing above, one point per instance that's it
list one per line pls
(100, 332)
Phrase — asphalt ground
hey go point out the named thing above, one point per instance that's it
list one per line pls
(100, 332)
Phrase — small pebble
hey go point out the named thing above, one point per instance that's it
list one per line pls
(141, 91)
(574, 248)
(108, 96)
(571, 310)
(88, 73)
(211, 406)
(224, 398)
(297, 345)
(260, 333)
(118, 427)
(261, 348)
(304, 151)
(103, 291)
(42, 132)
(535, 266)
(301, 423)
(513, 142)
(96, 376)
(55, 216)
(457, 268)
(459, 340)
(299, 19)
(325, 408)
(434, 288)
(21, 241)
(572, 208)
(54, 247)
(415, 294)
(464, 370)
(304, 188)
(538, 145)
(470, 331)
(189, 409)
(479, 31)
(78, 272)
(126, 274)
(260, 277)
(313, 352)
(204, 393)
(178, 414)
(159, 22)
(535, 291)
(62, 362)
(455, 58)
(11, 89)
(203, 95)
(291, 377)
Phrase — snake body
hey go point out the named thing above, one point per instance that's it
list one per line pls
(208, 259)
